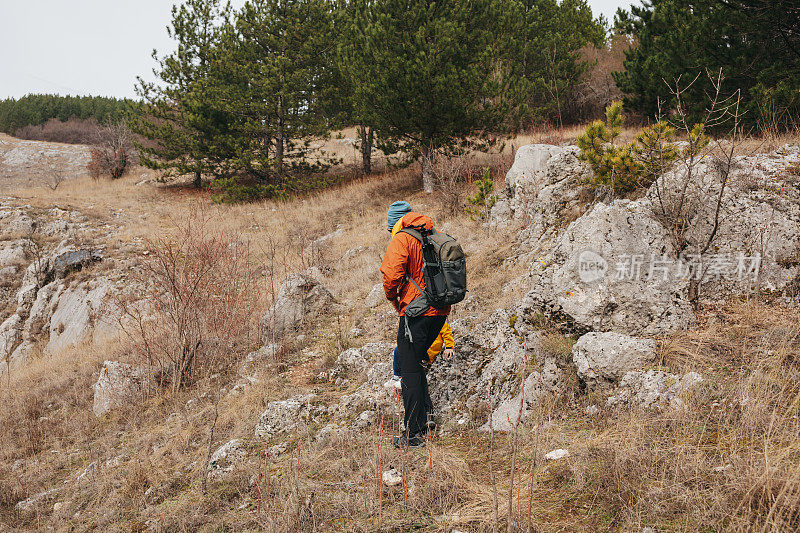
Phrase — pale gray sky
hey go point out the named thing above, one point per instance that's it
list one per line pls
(95, 47)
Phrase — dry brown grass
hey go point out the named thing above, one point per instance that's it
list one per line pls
(727, 462)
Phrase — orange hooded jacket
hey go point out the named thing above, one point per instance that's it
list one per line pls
(404, 256)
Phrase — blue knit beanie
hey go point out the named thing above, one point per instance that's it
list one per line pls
(397, 211)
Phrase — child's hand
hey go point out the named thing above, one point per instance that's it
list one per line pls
(447, 352)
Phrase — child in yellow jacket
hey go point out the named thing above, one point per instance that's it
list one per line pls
(443, 344)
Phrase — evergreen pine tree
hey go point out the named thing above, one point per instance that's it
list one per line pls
(540, 54)
(274, 67)
(426, 74)
(178, 112)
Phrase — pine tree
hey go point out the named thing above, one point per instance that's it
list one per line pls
(274, 67)
(754, 43)
(540, 53)
(178, 111)
(352, 18)
(425, 73)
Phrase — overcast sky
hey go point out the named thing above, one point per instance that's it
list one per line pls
(95, 47)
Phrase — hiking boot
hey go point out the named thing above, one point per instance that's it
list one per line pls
(395, 382)
(403, 442)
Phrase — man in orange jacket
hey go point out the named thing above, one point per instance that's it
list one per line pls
(402, 263)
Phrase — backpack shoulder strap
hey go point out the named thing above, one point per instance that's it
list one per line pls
(409, 278)
(418, 232)
(413, 232)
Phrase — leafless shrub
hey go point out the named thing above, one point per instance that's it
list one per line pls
(198, 302)
(698, 184)
(599, 89)
(71, 131)
(112, 151)
(451, 176)
(33, 246)
(54, 178)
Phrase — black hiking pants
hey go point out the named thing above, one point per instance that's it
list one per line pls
(416, 398)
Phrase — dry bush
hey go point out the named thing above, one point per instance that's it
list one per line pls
(599, 89)
(72, 131)
(451, 175)
(686, 193)
(112, 151)
(199, 300)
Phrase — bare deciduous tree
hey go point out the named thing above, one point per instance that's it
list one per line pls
(451, 174)
(111, 152)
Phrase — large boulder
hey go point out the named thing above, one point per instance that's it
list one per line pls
(10, 335)
(606, 357)
(526, 175)
(543, 189)
(371, 394)
(121, 384)
(77, 314)
(225, 458)
(517, 409)
(360, 359)
(376, 296)
(612, 269)
(300, 298)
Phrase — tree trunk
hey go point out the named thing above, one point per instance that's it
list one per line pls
(198, 182)
(279, 140)
(367, 136)
(427, 171)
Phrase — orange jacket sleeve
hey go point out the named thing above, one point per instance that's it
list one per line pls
(393, 268)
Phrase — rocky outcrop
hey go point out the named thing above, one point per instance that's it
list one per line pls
(604, 358)
(121, 384)
(654, 388)
(225, 458)
(44, 293)
(759, 218)
(610, 270)
(543, 192)
(617, 268)
(76, 315)
(316, 246)
(488, 361)
(30, 505)
(287, 415)
(376, 296)
(517, 409)
(370, 395)
(300, 298)
(356, 360)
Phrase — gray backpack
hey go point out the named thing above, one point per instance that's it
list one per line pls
(444, 269)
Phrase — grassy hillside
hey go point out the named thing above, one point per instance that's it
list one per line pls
(728, 460)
